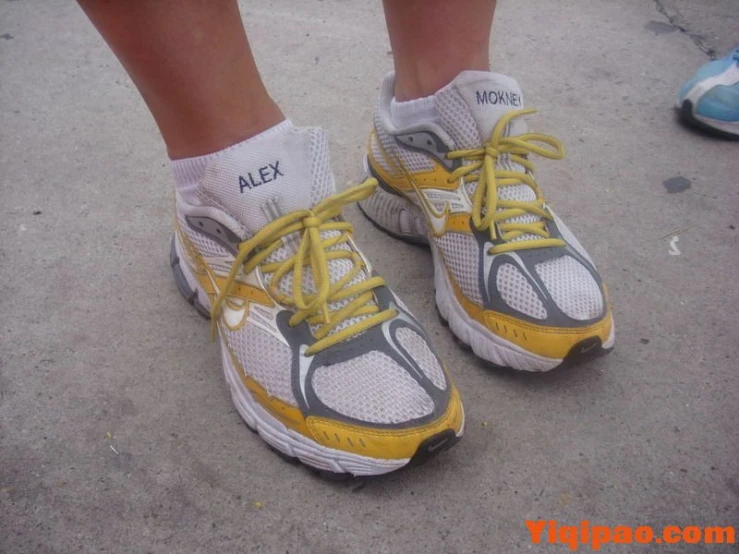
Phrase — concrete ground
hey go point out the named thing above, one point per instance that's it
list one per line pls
(117, 432)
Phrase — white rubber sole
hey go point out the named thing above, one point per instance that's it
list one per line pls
(396, 215)
(730, 127)
(271, 430)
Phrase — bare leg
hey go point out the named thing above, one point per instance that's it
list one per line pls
(191, 61)
(433, 40)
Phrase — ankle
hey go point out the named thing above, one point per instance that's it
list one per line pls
(418, 80)
(207, 133)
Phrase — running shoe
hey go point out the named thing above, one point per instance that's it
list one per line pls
(323, 360)
(512, 281)
(710, 99)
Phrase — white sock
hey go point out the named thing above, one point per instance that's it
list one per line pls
(189, 172)
(412, 112)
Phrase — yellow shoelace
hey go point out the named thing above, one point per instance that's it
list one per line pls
(316, 253)
(488, 211)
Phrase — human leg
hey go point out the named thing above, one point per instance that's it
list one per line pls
(434, 40)
(192, 64)
(321, 358)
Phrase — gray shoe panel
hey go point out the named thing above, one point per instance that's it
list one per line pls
(216, 231)
(525, 261)
(381, 338)
(430, 144)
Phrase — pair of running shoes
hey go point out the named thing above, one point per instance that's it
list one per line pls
(323, 360)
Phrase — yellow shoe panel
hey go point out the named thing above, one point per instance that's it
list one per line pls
(550, 342)
(389, 444)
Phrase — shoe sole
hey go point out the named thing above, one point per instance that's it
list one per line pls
(688, 116)
(471, 334)
(328, 463)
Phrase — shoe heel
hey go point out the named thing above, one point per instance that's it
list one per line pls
(395, 215)
(186, 281)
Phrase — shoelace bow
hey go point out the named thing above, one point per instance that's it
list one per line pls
(490, 212)
(315, 253)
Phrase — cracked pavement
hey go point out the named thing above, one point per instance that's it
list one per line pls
(117, 432)
(713, 25)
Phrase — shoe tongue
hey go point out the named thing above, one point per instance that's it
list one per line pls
(469, 109)
(471, 105)
(279, 171)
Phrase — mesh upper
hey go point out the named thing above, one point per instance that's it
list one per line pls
(422, 354)
(517, 292)
(388, 142)
(322, 178)
(378, 155)
(415, 161)
(456, 119)
(372, 388)
(264, 358)
(461, 253)
(207, 247)
(572, 287)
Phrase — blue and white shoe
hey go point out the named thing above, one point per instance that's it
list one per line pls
(710, 99)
